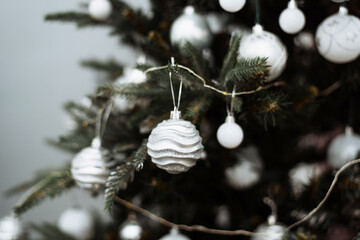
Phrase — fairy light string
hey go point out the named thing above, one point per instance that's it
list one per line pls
(200, 228)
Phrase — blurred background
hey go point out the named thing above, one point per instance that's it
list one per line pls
(39, 72)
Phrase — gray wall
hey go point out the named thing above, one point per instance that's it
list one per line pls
(39, 71)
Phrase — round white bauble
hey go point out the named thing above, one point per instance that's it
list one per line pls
(338, 37)
(175, 144)
(10, 228)
(230, 134)
(100, 9)
(268, 231)
(265, 44)
(174, 235)
(223, 217)
(130, 229)
(190, 27)
(302, 175)
(216, 22)
(90, 168)
(291, 19)
(77, 222)
(232, 5)
(247, 171)
(343, 148)
(305, 41)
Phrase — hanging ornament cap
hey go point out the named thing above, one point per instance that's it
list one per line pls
(257, 29)
(189, 10)
(175, 114)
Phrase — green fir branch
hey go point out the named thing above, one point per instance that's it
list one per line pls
(230, 59)
(196, 60)
(130, 91)
(111, 68)
(51, 186)
(48, 231)
(81, 19)
(247, 69)
(197, 108)
(75, 141)
(124, 174)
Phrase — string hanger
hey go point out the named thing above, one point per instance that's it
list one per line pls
(101, 120)
(175, 113)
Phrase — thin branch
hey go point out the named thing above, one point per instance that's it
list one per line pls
(204, 229)
(330, 89)
(260, 88)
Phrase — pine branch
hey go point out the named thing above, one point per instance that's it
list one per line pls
(247, 69)
(230, 59)
(50, 231)
(79, 112)
(123, 174)
(130, 91)
(111, 68)
(75, 141)
(81, 19)
(51, 186)
(197, 108)
(196, 60)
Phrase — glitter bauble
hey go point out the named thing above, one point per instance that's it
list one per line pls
(343, 148)
(77, 223)
(338, 37)
(175, 145)
(174, 235)
(265, 44)
(91, 166)
(11, 228)
(190, 27)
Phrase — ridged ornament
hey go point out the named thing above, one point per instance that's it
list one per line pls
(91, 166)
(175, 145)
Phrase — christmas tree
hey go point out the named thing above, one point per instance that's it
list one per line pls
(239, 120)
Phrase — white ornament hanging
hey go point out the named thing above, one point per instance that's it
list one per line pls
(247, 171)
(100, 10)
(343, 148)
(90, 168)
(130, 229)
(265, 44)
(232, 5)
(270, 230)
(174, 235)
(175, 144)
(303, 174)
(77, 222)
(11, 228)
(338, 37)
(292, 19)
(230, 134)
(190, 27)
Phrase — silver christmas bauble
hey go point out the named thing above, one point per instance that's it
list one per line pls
(90, 168)
(190, 27)
(247, 171)
(270, 230)
(338, 37)
(77, 222)
(174, 235)
(130, 229)
(265, 44)
(175, 145)
(100, 9)
(11, 228)
(343, 148)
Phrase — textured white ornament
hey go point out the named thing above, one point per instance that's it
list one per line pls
(175, 144)
(174, 235)
(232, 5)
(100, 9)
(77, 222)
(338, 37)
(302, 175)
(343, 148)
(10, 228)
(190, 27)
(247, 171)
(230, 134)
(130, 229)
(265, 44)
(292, 20)
(91, 166)
(270, 230)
